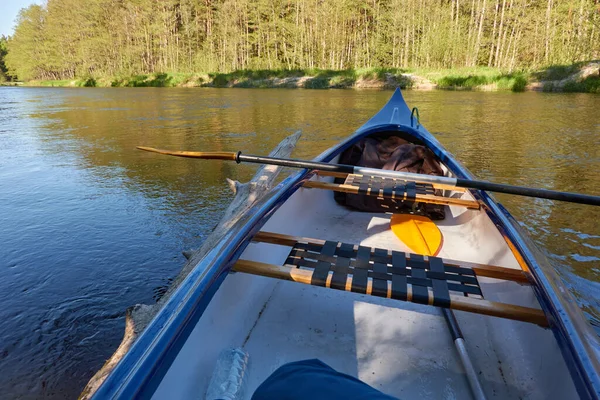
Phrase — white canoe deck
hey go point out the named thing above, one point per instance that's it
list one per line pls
(403, 349)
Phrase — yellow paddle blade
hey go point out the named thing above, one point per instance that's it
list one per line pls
(419, 233)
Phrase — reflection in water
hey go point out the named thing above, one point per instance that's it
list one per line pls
(90, 226)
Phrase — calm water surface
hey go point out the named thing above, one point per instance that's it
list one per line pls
(89, 226)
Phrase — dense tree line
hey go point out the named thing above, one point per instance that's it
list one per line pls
(72, 38)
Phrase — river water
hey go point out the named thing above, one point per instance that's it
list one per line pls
(90, 226)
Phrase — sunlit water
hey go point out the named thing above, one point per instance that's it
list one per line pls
(90, 226)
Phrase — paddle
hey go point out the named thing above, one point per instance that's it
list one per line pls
(423, 236)
(419, 233)
(350, 169)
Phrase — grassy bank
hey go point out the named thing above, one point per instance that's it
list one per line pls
(479, 78)
(581, 77)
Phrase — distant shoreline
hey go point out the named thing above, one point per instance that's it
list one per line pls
(581, 77)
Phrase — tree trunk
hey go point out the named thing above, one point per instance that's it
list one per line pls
(548, 38)
(478, 43)
(470, 33)
(498, 42)
(493, 33)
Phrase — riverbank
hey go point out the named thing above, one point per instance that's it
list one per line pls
(580, 77)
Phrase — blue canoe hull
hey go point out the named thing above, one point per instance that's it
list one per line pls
(141, 370)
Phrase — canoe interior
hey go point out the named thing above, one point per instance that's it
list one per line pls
(403, 349)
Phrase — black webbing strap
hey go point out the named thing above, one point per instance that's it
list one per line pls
(340, 273)
(441, 295)
(319, 276)
(360, 273)
(375, 185)
(430, 280)
(420, 294)
(388, 190)
(380, 273)
(363, 186)
(399, 272)
(411, 191)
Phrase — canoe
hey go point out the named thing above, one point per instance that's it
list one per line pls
(302, 277)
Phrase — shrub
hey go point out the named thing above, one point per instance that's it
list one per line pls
(86, 82)
(519, 84)
(317, 83)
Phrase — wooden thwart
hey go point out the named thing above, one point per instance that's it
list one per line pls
(422, 198)
(381, 278)
(461, 303)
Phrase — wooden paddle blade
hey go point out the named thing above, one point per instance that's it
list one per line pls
(419, 233)
(207, 155)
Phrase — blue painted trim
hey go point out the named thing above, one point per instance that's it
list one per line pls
(141, 370)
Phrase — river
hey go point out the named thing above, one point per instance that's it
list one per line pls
(90, 226)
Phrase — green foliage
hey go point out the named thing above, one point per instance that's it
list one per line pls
(317, 83)
(86, 82)
(480, 78)
(341, 82)
(591, 84)
(520, 84)
(3, 52)
(53, 83)
(149, 80)
(242, 78)
(220, 80)
(515, 82)
(163, 43)
(548, 87)
(464, 82)
(557, 72)
(380, 73)
(565, 78)
(324, 79)
(26, 56)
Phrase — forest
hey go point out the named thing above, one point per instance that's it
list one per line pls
(67, 39)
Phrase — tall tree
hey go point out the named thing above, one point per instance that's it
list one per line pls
(3, 51)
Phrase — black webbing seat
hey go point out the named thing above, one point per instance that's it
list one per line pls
(392, 274)
(381, 266)
(389, 187)
(393, 192)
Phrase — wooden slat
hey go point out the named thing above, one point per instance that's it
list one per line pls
(490, 271)
(423, 198)
(345, 175)
(479, 306)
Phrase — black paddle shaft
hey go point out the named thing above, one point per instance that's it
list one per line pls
(290, 162)
(530, 192)
(465, 183)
